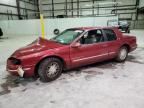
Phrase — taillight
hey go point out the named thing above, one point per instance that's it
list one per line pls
(15, 61)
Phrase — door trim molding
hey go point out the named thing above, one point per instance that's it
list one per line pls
(76, 60)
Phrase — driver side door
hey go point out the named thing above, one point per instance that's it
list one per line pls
(93, 48)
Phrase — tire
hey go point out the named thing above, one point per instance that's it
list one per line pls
(122, 55)
(128, 30)
(50, 69)
(56, 31)
(1, 33)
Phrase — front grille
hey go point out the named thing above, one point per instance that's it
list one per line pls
(15, 61)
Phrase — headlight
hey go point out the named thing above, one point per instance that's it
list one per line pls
(15, 61)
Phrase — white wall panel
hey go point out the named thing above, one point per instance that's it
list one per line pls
(32, 27)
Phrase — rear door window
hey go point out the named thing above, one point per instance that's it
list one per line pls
(110, 34)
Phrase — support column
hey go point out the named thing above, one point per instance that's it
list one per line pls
(42, 20)
(18, 9)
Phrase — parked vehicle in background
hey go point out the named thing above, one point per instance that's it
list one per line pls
(72, 48)
(1, 32)
(124, 26)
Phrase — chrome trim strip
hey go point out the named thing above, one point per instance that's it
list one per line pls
(112, 52)
(89, 57)
(93, 57)
(25, 69)
(12, 70)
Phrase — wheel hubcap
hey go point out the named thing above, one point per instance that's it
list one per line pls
(123, 54)
(52, 69)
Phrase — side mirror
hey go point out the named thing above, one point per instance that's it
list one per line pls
(76, 45)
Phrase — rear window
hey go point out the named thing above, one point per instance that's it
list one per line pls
(110, 34)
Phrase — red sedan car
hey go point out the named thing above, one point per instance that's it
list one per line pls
(72, 48)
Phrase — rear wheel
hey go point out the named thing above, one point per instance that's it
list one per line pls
(50, 69)
(122, 55)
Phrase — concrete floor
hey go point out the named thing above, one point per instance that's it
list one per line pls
(102, 85)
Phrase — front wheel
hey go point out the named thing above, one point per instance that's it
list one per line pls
(122, 55)
(50, 69)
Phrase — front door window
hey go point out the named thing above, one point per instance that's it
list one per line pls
(91, 37)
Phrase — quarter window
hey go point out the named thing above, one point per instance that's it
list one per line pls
(110, 34)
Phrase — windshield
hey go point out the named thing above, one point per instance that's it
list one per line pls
(67, 36)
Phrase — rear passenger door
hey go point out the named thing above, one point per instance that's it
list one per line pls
(113, 42)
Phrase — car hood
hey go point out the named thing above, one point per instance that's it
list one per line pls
(37, 46)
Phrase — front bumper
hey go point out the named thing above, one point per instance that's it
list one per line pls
(19, 70)
(133, 48)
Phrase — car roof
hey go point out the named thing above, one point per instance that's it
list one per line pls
(91, 28)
